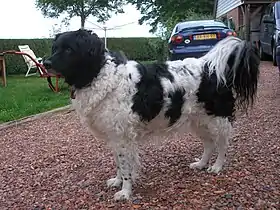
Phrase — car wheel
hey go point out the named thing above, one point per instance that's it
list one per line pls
(173, 57)
(274, 61)
(263, 56)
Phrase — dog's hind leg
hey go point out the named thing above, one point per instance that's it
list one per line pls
(116, 181)
(128, 161)
(208, 144)
(224, 131)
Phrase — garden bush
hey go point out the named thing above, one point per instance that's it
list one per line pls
(140, 49)
(15, 63)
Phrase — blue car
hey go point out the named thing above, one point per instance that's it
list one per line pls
(269, 44)
(196, 38)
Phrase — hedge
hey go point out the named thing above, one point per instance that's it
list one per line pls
(140, 49)
(15, 63)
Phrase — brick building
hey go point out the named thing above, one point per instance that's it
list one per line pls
(244, 14)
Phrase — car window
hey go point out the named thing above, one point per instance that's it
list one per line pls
(175, 30)
(268, 9)
(201, 28)
(272, 11)
(196, 25)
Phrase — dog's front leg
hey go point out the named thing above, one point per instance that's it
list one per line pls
(222, 145)
(225, 130)
(116, 181)
(127, 158)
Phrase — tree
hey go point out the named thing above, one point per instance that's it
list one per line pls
(101, 9)
(57, 28)
(159, 12)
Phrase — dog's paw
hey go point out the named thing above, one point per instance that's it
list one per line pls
(198, 165)
(114, 182)
(215, 169)
(122, 195)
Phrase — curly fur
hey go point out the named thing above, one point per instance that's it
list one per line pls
(128, 103)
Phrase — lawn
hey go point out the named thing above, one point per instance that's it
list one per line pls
(25, 96)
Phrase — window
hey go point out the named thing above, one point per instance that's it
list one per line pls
(267, 10)
(272, 11)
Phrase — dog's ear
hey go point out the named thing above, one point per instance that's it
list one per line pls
(55, 38)
(97, 45)
(90, 41)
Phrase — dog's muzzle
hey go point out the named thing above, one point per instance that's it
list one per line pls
(47, 64)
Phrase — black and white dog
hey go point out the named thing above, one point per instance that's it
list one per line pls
(127, 103)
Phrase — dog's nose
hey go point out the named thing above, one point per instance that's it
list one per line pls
(48, 64)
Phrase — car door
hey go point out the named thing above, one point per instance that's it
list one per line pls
(267, 29)
(271, 29)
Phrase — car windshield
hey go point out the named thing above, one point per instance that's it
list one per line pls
(200, 25)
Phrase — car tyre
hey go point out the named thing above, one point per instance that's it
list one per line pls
(263, 55)
(274, 60)
(173, 57)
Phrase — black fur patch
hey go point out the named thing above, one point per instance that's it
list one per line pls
(246, 74)
(241, 75)
(148, 101)
(218, 101)
(175, 108)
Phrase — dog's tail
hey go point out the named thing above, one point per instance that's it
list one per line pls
(236, 65)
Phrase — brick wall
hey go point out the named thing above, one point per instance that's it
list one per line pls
(236, 17)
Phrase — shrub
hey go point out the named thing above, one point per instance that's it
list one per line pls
(140, 49)
(15, 63)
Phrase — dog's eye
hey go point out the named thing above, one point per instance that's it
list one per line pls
(68, 50)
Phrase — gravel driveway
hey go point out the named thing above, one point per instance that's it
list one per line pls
(54, 163)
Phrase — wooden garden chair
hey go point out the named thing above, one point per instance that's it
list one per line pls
(29, 62)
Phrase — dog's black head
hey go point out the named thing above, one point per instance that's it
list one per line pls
(78, 56)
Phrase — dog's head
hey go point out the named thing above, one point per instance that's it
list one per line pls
(78, 56)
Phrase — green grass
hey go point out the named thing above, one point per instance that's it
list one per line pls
(26, 96)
